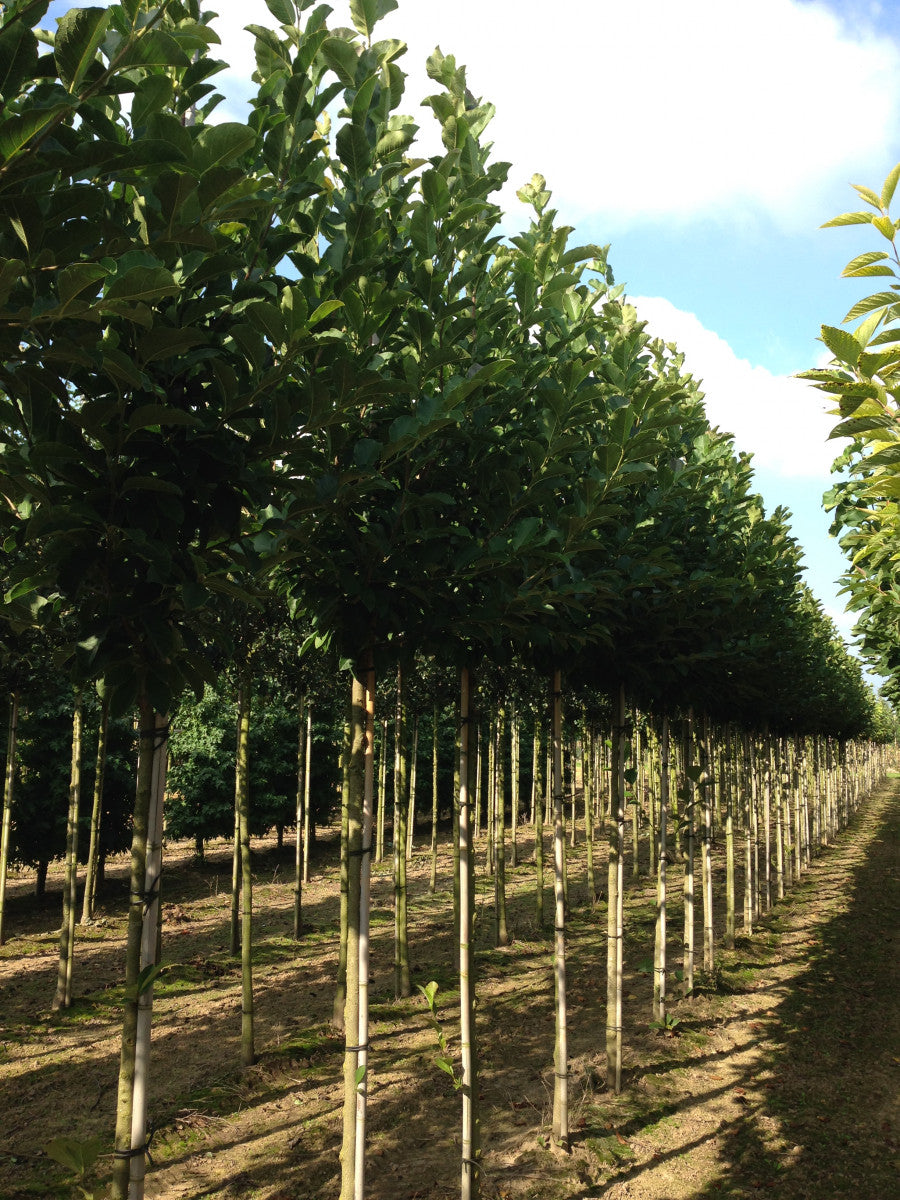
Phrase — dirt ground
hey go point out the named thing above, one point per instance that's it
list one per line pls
(780, 1076)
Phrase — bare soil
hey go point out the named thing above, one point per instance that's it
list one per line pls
(779, 1079)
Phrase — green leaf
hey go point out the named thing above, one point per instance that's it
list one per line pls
(282, 10)
(353, 149)
(889, 187)
(144, 981)
(78, 1156)
(325, 309)
(445, 1065)
(143, 283)
(887, 457)
(149, 415)
(218, 145)
(18, 58)
(867, 194)
(73, 280)
(365, 14)
(885, 227)
(854, 218)
(342, 58)
(18, 131)
(877, 301)
(843, 345)
(78, 38)
(360, 1075)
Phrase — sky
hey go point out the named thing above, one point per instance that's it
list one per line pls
(706, 141)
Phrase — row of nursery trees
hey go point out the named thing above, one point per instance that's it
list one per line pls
(283, 374)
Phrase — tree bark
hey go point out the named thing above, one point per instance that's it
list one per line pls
(561, 1050)
(8, 791)
(90, 878)
(63, 996)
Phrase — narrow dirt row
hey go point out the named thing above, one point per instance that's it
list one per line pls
(780, 1076)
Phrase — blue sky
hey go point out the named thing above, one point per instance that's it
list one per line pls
(707, 141)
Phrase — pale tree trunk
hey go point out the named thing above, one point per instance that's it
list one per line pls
(382, 792)
(779, 825)
(411, 807)
(235, 928)
(63, 997)
(767, 822)
(615, 901)
(248, 1052)
(652, 803)
(501, 932)
(729, 786)
(149, 957)
(340, 992)
(307, 777)
(491, 809)
(539, 786)
(469, 1184)
(587, 734)
(90, 878)
(659, 956)
(365, 880)
(402, 984)
(514, 784)
(298, 824)
(8, 790)
(141, 941)
(432, 883)
(688, 854)
(636, 798)
(561, 1049)
(706, 786)
(354, 789)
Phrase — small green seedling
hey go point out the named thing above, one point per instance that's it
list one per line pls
(442, 1059)
(78, 1157)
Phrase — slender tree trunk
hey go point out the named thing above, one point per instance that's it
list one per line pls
(501, 932)
(707, 786)
(90, 878)
(659, 956)
(8, 791)
(63, 997)
(143, 921)
(469, 1188)
(149, 957)
(354, 758)
(690, 794)
(382, 791)
(588, 738)
(615, 905)
(561, 1051)
(307, 778)
(236, 866)
(411, 807)
(402, 985)
(514, 782)
(248, 1051)
(340, 994)
(636, 801)
(539, 786)
(362, 1068)
(298, 824)
(728, 785)
(432, 883)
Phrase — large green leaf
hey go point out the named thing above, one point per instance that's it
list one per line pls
(149, 284)
(16, 132)
(18, 58)
(219, 145)
(282, 10)
(78, 38)
(843, 345)
(365, 14)
(353, 149)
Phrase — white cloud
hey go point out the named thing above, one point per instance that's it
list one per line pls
(657, 110)
(781, 420)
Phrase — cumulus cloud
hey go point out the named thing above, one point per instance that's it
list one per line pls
(783, 421)
(651, 111)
